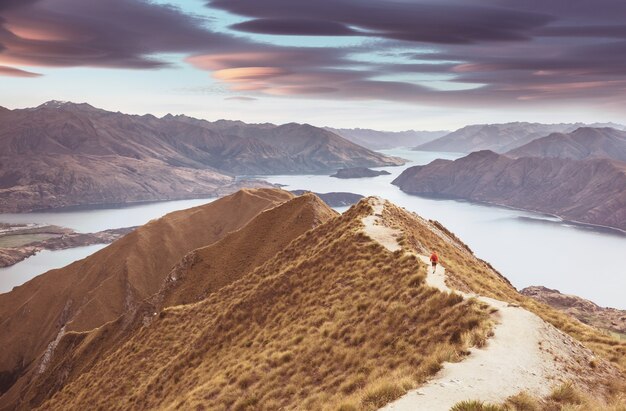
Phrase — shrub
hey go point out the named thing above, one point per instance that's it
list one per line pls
(474, 405)
(382, 394)
(566, 394)
(523, 402)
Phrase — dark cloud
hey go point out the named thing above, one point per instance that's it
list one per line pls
(112, 33)
(294, 27)
(437, 22)
(13, 72)
(449, 52)
(484, 51)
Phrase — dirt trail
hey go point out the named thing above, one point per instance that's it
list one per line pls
(524, 354)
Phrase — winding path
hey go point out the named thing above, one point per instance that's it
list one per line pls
(524, 354)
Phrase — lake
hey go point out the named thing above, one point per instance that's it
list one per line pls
(528, 248)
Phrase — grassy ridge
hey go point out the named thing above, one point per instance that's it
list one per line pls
(334, 320)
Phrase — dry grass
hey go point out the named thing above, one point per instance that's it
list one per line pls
(473, 405)
(564, 397)
(334, 321)
(467, 273)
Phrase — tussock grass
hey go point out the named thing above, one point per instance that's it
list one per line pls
(476, 406)
(564, 397)
(467, 273)
(333, 321)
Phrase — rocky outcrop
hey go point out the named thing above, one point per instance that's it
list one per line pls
(588, 191)
(586, 311)
(359, 172)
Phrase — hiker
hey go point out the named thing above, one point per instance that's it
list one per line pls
(434, 259)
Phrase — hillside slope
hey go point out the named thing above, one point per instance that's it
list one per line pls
(333, 320)
(99, 288)
(331, 315)
(581, 144)
(197, 275)
(590, 191)
(498, 137)
(381, 140)
(61, 154)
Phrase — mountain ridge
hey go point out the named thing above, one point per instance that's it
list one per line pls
(582, 143)
(99, 288)
(381, 140)
(499, 138)
(589, 191)
(63, 154)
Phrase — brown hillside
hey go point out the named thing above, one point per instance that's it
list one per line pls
(200, 273)
(93, 291)
(334, 318)
(208, 269)
(467, 273)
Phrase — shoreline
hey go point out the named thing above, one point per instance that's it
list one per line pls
(581, 224)
(61, 239)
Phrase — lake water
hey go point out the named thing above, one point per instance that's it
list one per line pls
(528, 248)
(40, 263)
(84, 221)
(104, 218)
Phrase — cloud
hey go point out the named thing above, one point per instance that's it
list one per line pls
(112, 33)
(449, 52)
(14, 72)
(444, 52)
(442, 22)
(295, 26)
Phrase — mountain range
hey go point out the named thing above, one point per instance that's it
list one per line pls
(62, 154)
(264, 300)
(581, 144)
(381, 140)
(500, 138)
(590, 191)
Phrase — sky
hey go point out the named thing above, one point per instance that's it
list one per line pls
(383, 64)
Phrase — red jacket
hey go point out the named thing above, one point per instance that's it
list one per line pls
(434, 258)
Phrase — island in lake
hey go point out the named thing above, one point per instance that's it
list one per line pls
(359, 172)
(20, 241)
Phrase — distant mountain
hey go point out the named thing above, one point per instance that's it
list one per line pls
(589, 191)
(583, 143)
(61, 154)
(380, 140)
(269, 149)
(498, 137)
